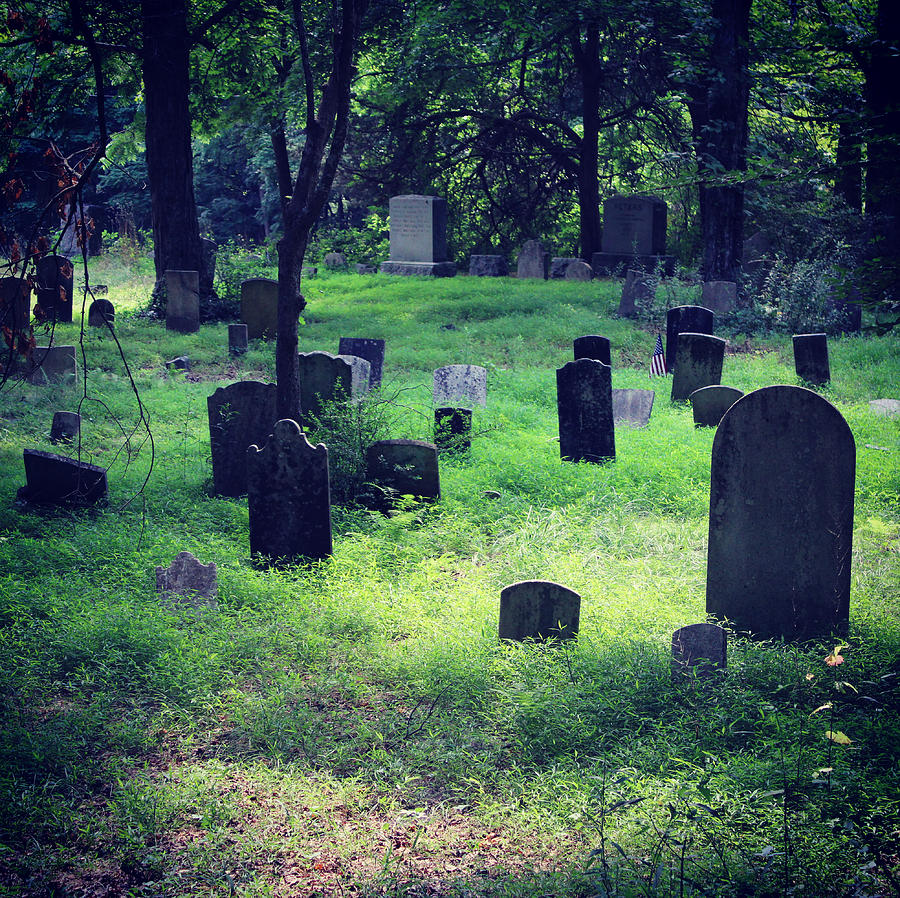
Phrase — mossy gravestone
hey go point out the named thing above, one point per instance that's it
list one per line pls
(592, 346)
(368, 348)
(183, 301)
(781, 515)
(330, 378)
(699, 364)
(460, 385)
(540, 610)
(289, 497)
(403, 468)
(585, 410)
(710, 404)
(695, 319)
(187, 581)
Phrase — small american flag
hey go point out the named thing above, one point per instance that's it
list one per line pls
(658, 359)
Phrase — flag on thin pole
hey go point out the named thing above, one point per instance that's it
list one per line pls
(658, 359)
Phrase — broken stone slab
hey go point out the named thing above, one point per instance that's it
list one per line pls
(187, 581)
(58, 480)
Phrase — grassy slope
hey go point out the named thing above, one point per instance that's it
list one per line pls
(356, 725)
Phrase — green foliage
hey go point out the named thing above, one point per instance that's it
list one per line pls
(236, 263)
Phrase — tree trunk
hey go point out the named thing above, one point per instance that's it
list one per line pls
(291, 250)
(587, 62)
(848, 160)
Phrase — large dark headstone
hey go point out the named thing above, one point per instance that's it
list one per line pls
(330, 378)
(699, 650)
(811, 358)
(592, 346)
(403, 468)
(259, 307)
(781, 515)
(289, 497)
(54, 287)
(368, 348)
(57, 480)
(584, 407)
(710, 403)
(634, 231)
(183, 301)
(240, 414)
(699, 364)
(539, 610)
(695, 319)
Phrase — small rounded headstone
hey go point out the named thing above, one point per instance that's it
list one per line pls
(65, 427)
(889, 408)
(710, 403)
(539, 610)
(101, 312)
(335, 261)
(579, 270)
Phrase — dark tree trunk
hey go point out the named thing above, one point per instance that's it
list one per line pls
(170, 167)
(718, 109)
(587, 62)
(848, 159)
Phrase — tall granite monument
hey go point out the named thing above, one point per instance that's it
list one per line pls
(634, 235)
(419, 237)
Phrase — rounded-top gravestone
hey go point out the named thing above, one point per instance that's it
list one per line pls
(539, 610)
(695, 319)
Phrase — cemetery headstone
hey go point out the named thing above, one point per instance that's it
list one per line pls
(181, 363)
(584, 407)
(57, 480)
(559, 265)
(639, 289)
(368, 348)
(720, 296)
(460, 384)
(187, 580)
(365, 268)
(453, 429)
(237, 339)
(533, 260)
(488, 266)
(890, 408)
(696, 319)
(330, 378)
(289, 497)
(699, 650)
(403, 468)
(259, 307)
(53, 365)
(65, 427)
(579, 270)
(240, 415)
(632, 407)
(183, 301)
(15, 303)
(592, 346)
(54, 286)
(699, 364)
(781, 515)
(418, 237)
(634, 230)
(710, 404)
(811, 358)
(101, 313)
(538, 610)
(335, 261)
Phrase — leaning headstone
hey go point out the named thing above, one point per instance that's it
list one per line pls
(403, 468)
(811, 358)
(57, 480)
(460, 384)
(330, 378)
(634, 230)
(237, 339)
(592, 346)
(639, 289)
(584, 407)
(183, 301)
(579, 271)
(259, 307)
(53, 365)
(240, 414)
(187, 580)
(289, 496)
(699, 364)
(15, 303)
(101, 313)
(65, 427)
(889, 408)
(54, 286)
(699, 651)
(559, 265)
(368, 348)
(781, 516)
(418, 237)
(335, 261)
(538, 610)
(696, 319)
(453, 429)
(720, 296)
(533, 260)
(632, 407)
(710, 403)
(488, 266)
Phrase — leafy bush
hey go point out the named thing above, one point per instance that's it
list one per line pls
(367, 244)
(236, 263)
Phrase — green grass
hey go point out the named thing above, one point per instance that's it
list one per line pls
(354, 727)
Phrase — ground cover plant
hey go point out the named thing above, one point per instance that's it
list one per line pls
(354, 727)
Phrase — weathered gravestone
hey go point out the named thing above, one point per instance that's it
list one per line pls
(15, 303)
(781, 515)
(695, 319)
(367, 348)
(330, 378)
(811, 358)
(183, 301)
(699, 650)
(187, 580)
(237, 339)
(57, 480)
(335, 261)
(638, 290)
(101, 313)
(559, 265)
(699, 364)
(533, 260)
(53, 365)
(453, 429)
(720, 296)
(289, 496)
(538, 610)
(710, 403)
(578, 270)
(634, 230)
(889, 408)
(259, 307)
(592, 346)
(65, 427)
(632, 407)
(240, 415)
(403, 468)
(488, 266)
(460, 385)
(418, 237)
(584, 407)
(54, 286)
